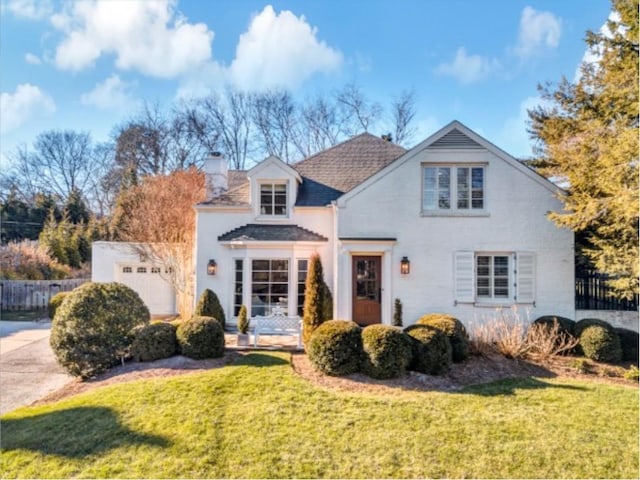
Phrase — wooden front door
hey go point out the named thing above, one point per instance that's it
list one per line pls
(366, 290)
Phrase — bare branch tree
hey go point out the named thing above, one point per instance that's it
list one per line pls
(360, 112)
(403, 110)
(275, 116)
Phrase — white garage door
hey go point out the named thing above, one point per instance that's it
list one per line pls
(156, 292)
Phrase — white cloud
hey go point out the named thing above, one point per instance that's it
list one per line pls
(592, 56)
(468, 69)
(112, 94)
(29, 9)
(26, 102)
(148, 36)
(280, 50)
(538, 31)
(32, 59)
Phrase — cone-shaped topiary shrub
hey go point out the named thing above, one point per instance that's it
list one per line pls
(91, 330)
(154, 341)
(387, 351)
(431, 348)
(243, 321)
(209, 306)
(335, 347)
(629, 343)
(452, 328)
(55, 302)
(565, 325)
(201, 337)
(598, 340)
(318, 305)
(397, 313)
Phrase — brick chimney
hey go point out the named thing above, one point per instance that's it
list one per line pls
(216, 174)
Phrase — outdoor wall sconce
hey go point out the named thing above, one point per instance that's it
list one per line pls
(405, 265)
(212, 267)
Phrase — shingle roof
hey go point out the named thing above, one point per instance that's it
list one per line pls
(267, 233)
(325, 175)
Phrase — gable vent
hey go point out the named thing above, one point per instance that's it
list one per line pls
(455, 139)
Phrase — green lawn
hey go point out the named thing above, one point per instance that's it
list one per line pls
(257, 419)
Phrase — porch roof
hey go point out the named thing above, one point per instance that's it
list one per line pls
(271, 233)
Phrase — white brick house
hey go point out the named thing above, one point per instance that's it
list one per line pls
(469, 220)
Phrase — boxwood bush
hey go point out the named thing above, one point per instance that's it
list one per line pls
(629, 343)
(335, 347)
(598, 340)
(201, 337)
(91, 329)
(453, 329)
(154, 341)
(55, 302)
(565, 325)
(387, 351)
(431, 349)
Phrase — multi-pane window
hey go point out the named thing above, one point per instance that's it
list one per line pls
(126, 270)
(155, 270)
(453, 188)
(269, 286)
(237, 286)
(273, 199)
(492, 276)
(303, 267)
(142, 270)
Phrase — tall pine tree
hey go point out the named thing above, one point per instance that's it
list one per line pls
(587, 135)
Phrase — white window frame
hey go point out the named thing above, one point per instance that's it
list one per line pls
(301, 282)
(273, 184)
(270, 306)
(452, 188)
(491, 276)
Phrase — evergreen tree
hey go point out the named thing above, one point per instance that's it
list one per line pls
(75, 207)
(397, 313)
(316, 310)
(209, 306)
(587, 134)
(243, 321)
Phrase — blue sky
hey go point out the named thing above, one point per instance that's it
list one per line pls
(88, 65)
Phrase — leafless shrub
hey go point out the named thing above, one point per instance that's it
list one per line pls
(546, 341)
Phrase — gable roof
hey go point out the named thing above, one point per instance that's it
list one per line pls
(455, 136)
(326, 175)
(271, 233)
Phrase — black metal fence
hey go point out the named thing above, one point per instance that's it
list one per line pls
(594, 293)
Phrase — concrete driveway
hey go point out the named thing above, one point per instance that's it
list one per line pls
(28, 369)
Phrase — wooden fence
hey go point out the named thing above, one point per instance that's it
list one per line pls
(33, 294)
(593, 293)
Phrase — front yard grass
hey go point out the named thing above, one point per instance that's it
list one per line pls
(256, 418)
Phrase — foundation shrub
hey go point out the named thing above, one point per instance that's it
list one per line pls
(91, 330)
(201, 337)
(335, 347)
(598, 340)
(431, 349)
(453, 329)
(209, 306)
(153, 342)
(565, 325)
(387, 351)
(55, 302)
(629, 341)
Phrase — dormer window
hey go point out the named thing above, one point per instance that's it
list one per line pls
(273, 199)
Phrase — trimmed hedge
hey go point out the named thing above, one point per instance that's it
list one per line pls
(201, 337)
(629, 343)
(154, 341)
(598, 340)
(91, 330)
(565, 325)
(335, 347)
(387, 351)
(55, 302)
(431, 348)
(209, 306)
(453, 329)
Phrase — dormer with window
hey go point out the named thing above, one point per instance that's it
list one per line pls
(274, 188)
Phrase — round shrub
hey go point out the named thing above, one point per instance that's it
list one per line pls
(91, 329)
(335, 347)
(201, 337)
(453, 329)
(153, 342)
(629, 341)
(387, 351)
(431, 348)
(598, 340)
(55, 302)
(565, 325)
